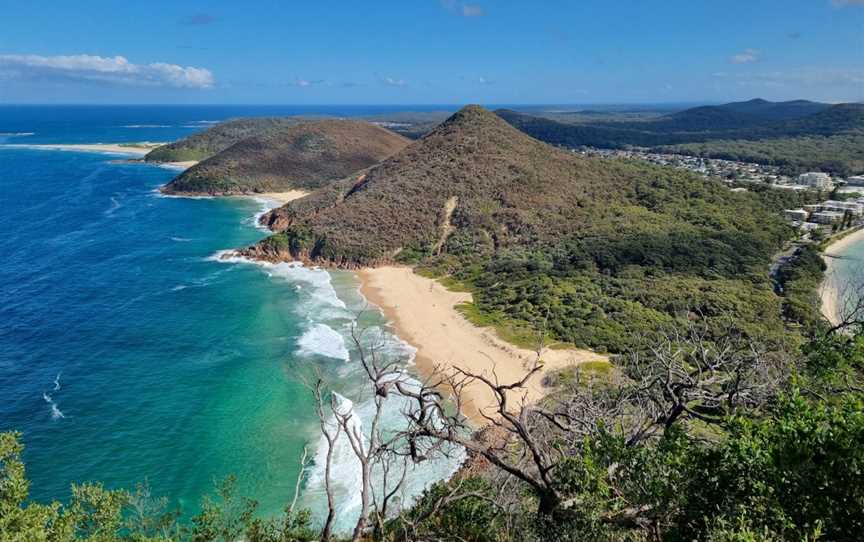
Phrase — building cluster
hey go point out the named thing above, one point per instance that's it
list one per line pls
(810, 217)
(710, 167)
(731, 170)
(828, 212)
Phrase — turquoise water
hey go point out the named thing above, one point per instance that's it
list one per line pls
(130, 352)
(847, 272)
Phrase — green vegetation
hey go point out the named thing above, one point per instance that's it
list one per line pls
(799, 280)
(728, 413)
(841, 155)
(97, 514)
(786, 469)
(795, 135)
(301, 156)
(590, 252)
(205, 144)
(790, 467)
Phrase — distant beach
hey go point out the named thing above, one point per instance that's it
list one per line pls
(830, 290)
(283, 197)
(133, 149)
(423, 313)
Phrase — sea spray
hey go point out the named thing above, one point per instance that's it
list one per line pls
(346, 474)
(332, 312)
(56, 413)
(323, 340)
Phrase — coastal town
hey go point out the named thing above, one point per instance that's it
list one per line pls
(842, 209)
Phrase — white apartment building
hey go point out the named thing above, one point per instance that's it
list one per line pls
(815, 180)
(826, 217)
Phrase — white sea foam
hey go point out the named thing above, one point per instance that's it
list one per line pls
(56, 414)
(158, 193)
(57, 382)
(180, 239)
(169, 165)
(147, 126)
(346, 478)
(114, 206)
(267, 204)
(179, 287)
(323, 340)
(16, 134)
(345, 469)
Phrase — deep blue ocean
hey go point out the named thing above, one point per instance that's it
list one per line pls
(130, 353)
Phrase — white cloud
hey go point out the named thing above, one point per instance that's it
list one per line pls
(745, 57)
(304, 83)
(486, 81)
(392, 82)
(115, 70)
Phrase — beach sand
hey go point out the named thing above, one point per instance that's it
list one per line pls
(829, 291)
(422, 313)
(178, 165)
(138, 150)
(283, 197)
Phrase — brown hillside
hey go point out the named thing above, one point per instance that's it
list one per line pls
(474, 177)
(303, 156)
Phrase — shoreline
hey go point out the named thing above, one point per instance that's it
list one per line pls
(277, 198)
(422, 313)
(829, 290)
(280, 197)
(135, 149)
(139, 150)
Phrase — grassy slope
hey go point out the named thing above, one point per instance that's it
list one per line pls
(217, 138)
(300, 156)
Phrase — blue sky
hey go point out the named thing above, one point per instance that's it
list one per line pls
(430, 51)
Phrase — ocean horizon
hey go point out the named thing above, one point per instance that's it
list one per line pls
(132, 353)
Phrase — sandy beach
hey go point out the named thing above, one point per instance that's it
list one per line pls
(829, 292)
(135, 149)
(422, 312)
(177, 165)
(283, 197)
(138, 150)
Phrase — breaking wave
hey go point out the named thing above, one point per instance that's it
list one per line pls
(56, 413)
(323, 340)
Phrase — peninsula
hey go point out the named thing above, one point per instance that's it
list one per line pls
(289, 156)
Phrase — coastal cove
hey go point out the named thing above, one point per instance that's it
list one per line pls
(843, 259)
(201, 377)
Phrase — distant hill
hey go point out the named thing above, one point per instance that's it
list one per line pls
(291, 156)
(205, 144)
(768, 126)
(776, 110)
(533, 229)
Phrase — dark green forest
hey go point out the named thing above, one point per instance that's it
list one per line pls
(797, 136)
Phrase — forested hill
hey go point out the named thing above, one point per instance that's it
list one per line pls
(734, 116)
(219, 137)
(612, 245)
(797, 135)
(294, 156)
